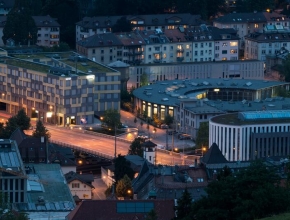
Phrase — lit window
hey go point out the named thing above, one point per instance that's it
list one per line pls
(233, 44)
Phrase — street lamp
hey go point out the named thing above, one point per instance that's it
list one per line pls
(202, 150)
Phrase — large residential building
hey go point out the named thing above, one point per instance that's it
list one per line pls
(90, 26)
(251, 135)
(246, 23)
(47, 34)
(67, 87)
(270, 42)
(195, 44)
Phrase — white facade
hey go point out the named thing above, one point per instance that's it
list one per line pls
(226, 50)
(234, 141)
(82, 190)
(48, 36)
(150, 154)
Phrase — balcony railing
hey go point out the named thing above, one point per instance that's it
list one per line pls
(179, 59)
(157, 61)
(179, 50)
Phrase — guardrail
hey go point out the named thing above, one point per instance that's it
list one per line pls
(102, 155)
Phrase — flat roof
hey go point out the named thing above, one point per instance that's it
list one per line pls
(233, 119)
(44, 62)
(171, 92)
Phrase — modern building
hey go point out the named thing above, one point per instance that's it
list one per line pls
(66, 87)
(89, 26)
(240, 69)
(247, 136)
(247, 23)
(48, 31)
(183, 99)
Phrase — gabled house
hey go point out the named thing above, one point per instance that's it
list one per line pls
(32, 150)
(122, 209)
(80, 185)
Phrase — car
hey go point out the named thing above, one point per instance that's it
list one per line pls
(184, 137)
(124, 126)
(163, 126)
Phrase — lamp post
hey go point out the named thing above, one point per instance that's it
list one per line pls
(202, 150)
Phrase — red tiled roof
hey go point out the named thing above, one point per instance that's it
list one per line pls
(107, 210)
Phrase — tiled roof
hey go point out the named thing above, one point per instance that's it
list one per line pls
(269, 37)
(98, 22)
(130, 39)
(45, 21)
(213, 156)
(107, 210)
(100, 40)
(257, 17)
(84, 178)
(40, 21)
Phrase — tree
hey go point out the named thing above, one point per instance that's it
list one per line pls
(285, 68)
(123, 185)
(144, 80)
(202, 135)
(20, 25)
(136, 148)
(40, 130)
(254, 5)
(168, 119)
(11, 126)
(152, 215)
(22, 120)
(252, 193)
(112, 118)
(184, 204)
(122, 25)
(122, 168)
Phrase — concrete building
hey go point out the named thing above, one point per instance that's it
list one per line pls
(90, 26)
(240, 69)
(47, 34)
(259, 45)
(246, 23)
(13, 176)
(182, 99)
(251, 135)
(196, 44)
(66, 87)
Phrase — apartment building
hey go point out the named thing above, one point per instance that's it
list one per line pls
(69, 88)
(246, 23)
(47, 34)
(89, 26)
(170, 46)
(259, 45)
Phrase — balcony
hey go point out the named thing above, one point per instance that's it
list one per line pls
(179, 59)
(179, 50)
(157, 60)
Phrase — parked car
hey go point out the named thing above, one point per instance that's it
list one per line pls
(163, 126)
(184, 137)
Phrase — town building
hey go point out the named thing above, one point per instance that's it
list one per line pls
(247, 23)
(182, 99)
(274, 39)
(240, 69)
(90, 26)
(48, 31)
(195, 44)
(66, 87)
(251, 135)
(80, 185)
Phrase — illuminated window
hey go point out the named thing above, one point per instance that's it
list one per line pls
(187, 46)
(233, 44)
(256, 25)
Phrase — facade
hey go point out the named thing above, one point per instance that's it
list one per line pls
(240, 69)
(90, 26)
(259, 45)
(47, 34)
(68, 90)
(182, 99)
(13, 176)
(246, 23)
(195, 44)
(80, 184)
(251, 135)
